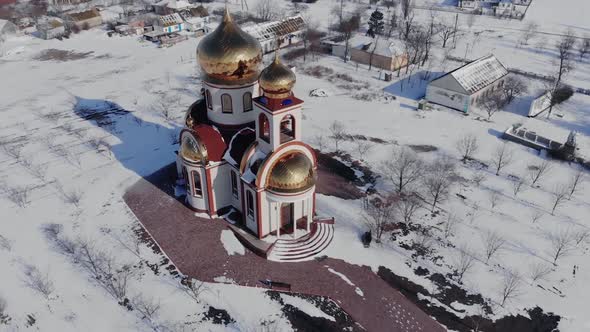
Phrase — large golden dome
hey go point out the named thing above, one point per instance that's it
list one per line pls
(228, 55)
(277, 80)
(291, 173)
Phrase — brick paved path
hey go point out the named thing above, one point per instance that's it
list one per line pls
(194, 246)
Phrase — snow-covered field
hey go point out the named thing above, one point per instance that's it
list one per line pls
(59, 168)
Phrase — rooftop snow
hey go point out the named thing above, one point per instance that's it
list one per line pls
(480, 73)
(272, 30)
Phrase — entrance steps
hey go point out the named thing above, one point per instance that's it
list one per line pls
(304, 248)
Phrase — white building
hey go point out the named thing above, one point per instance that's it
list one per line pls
(288, 31)
(166, 7)
(170, 23)
(461, 88)
(504, 8)
(7, 28)
(50, 27)
(241, 148)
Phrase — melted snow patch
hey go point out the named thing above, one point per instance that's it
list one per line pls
(306, 307)
(231, 244)
(224, 280)
(345, 278)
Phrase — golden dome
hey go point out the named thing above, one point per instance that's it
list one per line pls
(192, 150)
(277, 80)
(228, 55)
(291, 173)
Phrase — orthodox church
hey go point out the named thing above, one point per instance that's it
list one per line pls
(241, 146)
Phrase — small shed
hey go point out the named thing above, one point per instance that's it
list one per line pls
(84, 20)
(380, 53)
(50, 27)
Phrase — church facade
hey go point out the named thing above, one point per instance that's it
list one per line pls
(241, 148)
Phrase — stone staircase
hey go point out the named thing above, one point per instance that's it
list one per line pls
(306, 247)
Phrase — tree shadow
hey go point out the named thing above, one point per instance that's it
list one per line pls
(142, 146)
(520, 105)
(412, 87)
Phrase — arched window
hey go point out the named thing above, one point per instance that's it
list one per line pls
(247, 101)
(197, 189)
(287, 128)
(264, 128)
(250, 204)
(226, 106)
(234, 184)
(208, 99)
(187, 181)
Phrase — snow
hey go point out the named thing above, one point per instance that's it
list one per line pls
(136, 74)
(480, 73)
(306, 307)
(347, 280)
(231, 244)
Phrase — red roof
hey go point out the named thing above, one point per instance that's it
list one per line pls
(212, 140)
(7, 2)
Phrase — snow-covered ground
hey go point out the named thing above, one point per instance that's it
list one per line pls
(72, 179)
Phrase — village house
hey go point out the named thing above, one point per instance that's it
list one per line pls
(169, 23)
(50, 27)
(503, 8)
(463, 87)
(277, 34)
(379, 53)
(84, 20)
(167, 7)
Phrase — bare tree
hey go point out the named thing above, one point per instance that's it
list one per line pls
(467, 146)
(320, 141)
(576, 181)
(565, 53)
(19, 195)
(372, 53)
(563, 242)
(511, 285)
(148, 307)
(363, 147)
(338, 133)
(493, 103)
(463, 263)
(73, 196)
(581, 236)
(518, 184)
(584, 47)
(38, 281)
(446, 31)
(266, 10)
(449, 225)
(537, 172)
(403, 168)
(5, 243)
(560, 195)
(406, 207)
(478, 177)
(529, 32)
(494, 198)
(513, 87)
(377, 216)
(438, 180)
(502, 157)
(493, 242)
(347, 28)
(539, 271)
(536, 215)
(193, 288)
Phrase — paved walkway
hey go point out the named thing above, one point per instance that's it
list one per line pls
(194, 246)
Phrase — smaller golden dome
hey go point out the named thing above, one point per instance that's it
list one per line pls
(277, 80)
(228, 55)
(192, 150)
(291, 173)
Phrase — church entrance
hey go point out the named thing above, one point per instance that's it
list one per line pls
(287, 214)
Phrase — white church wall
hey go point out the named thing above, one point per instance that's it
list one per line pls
(221, 185)
(199, 203)
(239, 115)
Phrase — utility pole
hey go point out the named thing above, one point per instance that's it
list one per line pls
(455, 31)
